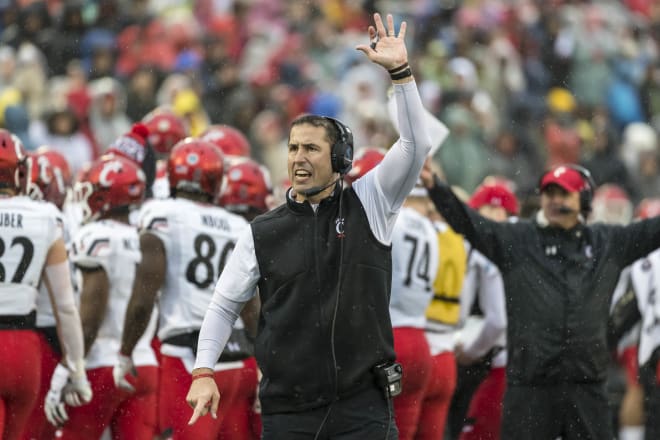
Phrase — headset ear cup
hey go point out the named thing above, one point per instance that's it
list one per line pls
(335, 158)
(587, 194)
(342, 158)
(341, 153)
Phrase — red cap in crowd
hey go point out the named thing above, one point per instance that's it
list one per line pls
(494, 194)
(566, 177)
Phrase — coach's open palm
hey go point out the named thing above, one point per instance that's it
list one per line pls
(387, 48)
(203, 397)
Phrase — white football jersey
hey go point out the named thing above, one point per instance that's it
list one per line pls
(27, 231)
(414, 265)
(114, 247)
(645, 276)
(198, 238)
(483, 284)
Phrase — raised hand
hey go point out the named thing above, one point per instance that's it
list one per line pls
(387, 49)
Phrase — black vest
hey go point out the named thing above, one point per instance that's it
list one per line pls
(298, 252)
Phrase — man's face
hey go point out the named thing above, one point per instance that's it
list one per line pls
(556, 203)
(309, 160)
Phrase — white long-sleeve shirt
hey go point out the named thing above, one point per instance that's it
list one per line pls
(381, 191)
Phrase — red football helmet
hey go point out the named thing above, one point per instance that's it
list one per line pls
(648, 208)
(231, 141)
(365, 159)
(247, 184)
(52, 162)
(197, 166)
(110, 182)
(40, 176)
(165, 129)
(12, 160)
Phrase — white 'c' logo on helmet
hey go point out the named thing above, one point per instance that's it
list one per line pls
(113, 166)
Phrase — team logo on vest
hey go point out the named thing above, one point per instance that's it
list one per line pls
(339, 227)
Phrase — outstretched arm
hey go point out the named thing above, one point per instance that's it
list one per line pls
(235, 287)
(382, 191)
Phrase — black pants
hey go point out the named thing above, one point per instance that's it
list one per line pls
(569, 411)
(647, 375)
(364, 416)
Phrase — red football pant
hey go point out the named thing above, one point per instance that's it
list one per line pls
(129, 415)
(38, 427)
(412, 352)
(239, 422)
(485, 412)
(439, 392)
(628, 360)
(20, 371)
(174, 411)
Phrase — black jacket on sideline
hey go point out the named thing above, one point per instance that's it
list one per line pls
(558, 285)
(298, 251)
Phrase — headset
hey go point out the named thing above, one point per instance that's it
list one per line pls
(586, 193)
(341, 152)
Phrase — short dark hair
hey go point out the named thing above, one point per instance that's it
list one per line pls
(331, 130)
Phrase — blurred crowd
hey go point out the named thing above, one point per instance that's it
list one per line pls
(522, 84)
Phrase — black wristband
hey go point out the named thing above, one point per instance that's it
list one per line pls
(401, 75)
(397, 69)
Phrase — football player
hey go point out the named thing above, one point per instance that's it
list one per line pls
(49, 180)
(33, 251)
(640, 305)
(185, 242)
(106, 252)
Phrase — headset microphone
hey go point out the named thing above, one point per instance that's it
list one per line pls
(311, 192)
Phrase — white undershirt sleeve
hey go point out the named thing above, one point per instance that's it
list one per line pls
(383, 189)
(58, 281)
(216, 329)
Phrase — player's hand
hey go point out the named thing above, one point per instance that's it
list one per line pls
(123, 366)
(77, 391)
(203, 397)
(387, 49)
(53, 405)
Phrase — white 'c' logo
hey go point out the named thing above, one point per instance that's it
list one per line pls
(109, 167)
